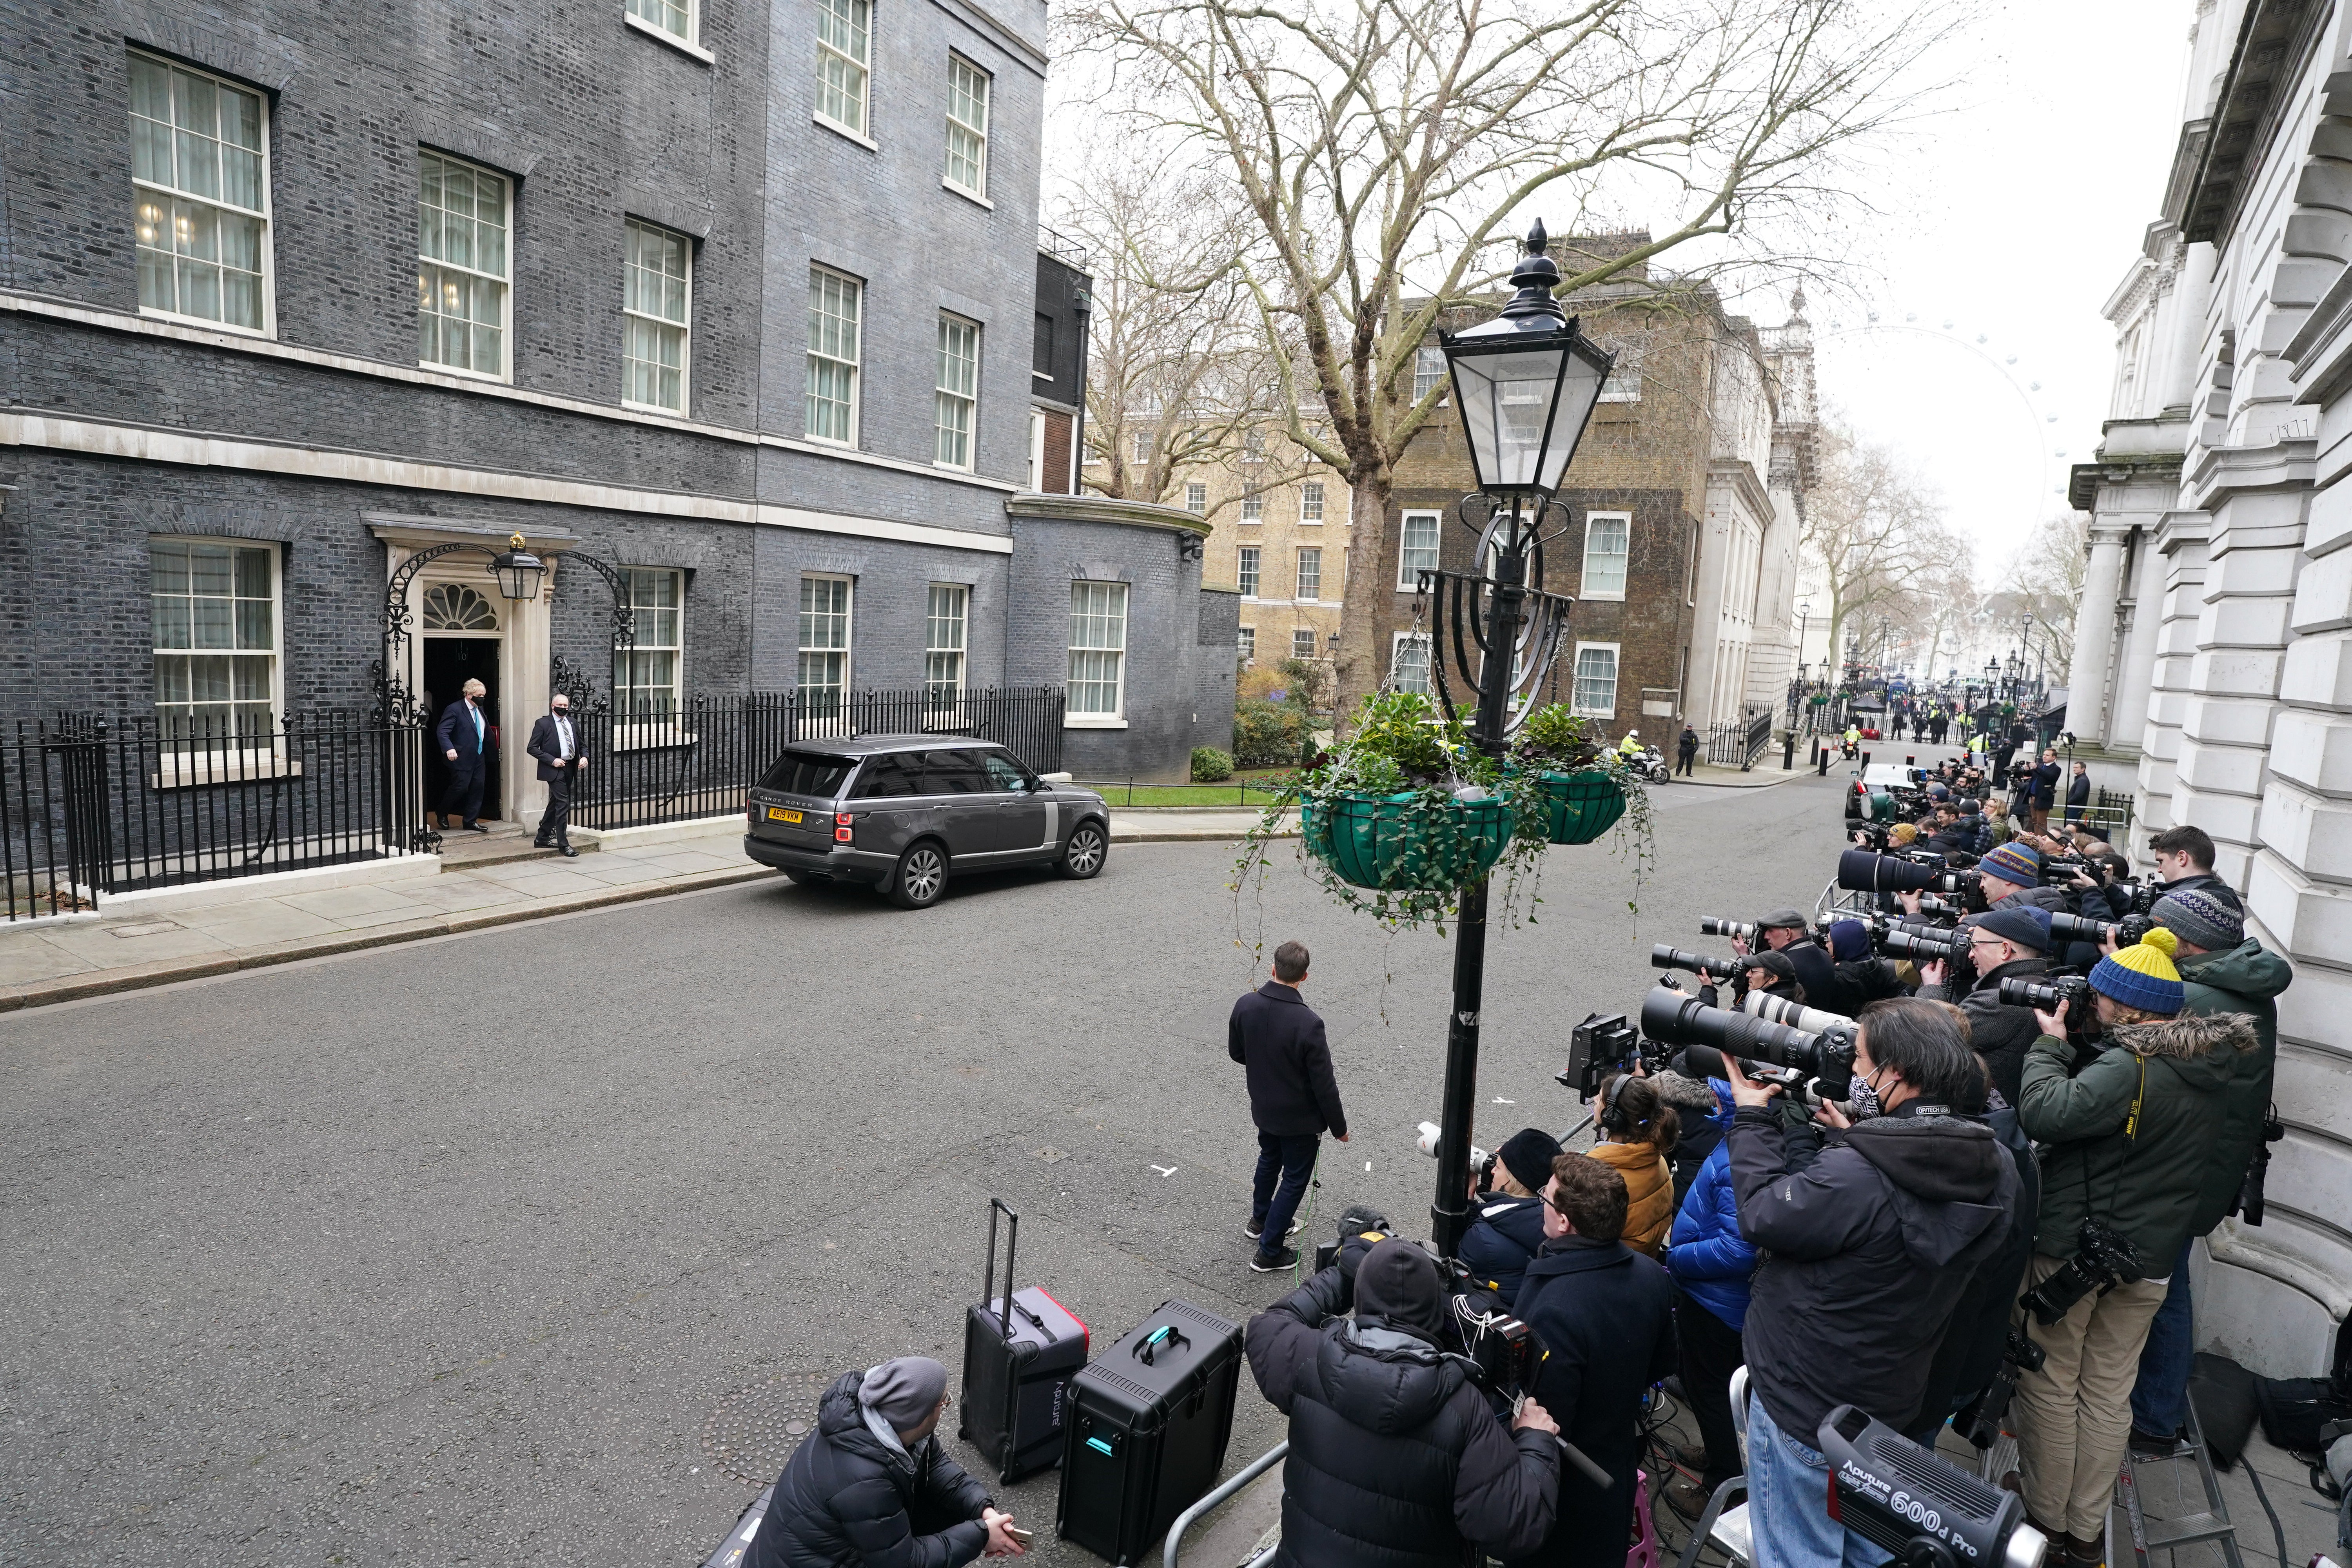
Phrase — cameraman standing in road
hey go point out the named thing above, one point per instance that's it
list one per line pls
(1379, 1410)
(1864, 1253)
(2012, 943)
(1293, 1099)
(2131, 1140)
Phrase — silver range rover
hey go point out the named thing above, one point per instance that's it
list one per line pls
(904, 812)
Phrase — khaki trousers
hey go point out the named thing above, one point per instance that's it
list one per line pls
(2073, 1416)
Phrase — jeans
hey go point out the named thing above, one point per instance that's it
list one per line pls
(1272, 1207)
(2159, 1401)
(1788, 1504)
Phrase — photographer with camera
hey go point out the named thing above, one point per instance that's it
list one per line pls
(2184, 863)
(2222, 970)
(1605, 1317)
(1508, 1227)
(1859, 978)
(1864, 1252)
(1380, 1407)
(2131, 1137)
(2006, 943)
(1787, 932)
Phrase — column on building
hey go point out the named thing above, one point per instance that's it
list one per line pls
(2095, 636)
(2181, 552)
(2127, 701)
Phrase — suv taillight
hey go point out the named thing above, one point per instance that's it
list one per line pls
(841, 821)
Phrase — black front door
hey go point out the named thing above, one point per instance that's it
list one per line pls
(450, 663)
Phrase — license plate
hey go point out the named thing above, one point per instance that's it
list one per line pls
(778, 814)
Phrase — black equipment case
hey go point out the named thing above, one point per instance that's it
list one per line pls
(1021, 1349)
(1147, 1430)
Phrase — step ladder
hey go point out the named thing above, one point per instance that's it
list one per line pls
(2194, 1528)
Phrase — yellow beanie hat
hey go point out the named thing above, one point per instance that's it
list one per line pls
(2143, 976)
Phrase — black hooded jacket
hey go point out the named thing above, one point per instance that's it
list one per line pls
(2002, 1035)
(1862, 1256)
(1971, 1354)
(848, 1498)
(1396, 1459)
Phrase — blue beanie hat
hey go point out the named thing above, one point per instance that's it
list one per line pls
(2142, 976)
(1849, 940)
(2018, 863)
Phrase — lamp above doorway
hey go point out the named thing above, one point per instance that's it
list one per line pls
(518, 571)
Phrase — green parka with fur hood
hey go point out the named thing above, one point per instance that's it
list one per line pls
(2141, 1171)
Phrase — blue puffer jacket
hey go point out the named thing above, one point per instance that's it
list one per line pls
(1705, 1253)
(1504, 1236)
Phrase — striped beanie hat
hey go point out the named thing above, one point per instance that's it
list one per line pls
(2142, 975)
(2201, 918)
(2018, 863)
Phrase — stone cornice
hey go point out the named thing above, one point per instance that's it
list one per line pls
(1104, 509)
(2289, 463)
(1741, 476)
(2083, 479)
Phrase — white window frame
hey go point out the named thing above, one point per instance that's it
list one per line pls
(504, 281)
(1113, 651)
(1310, 503)
(946, 401)
(1408, 581)
(1245, 643)
(1616, 680)
(855, 287)
(1253, 507)
(1428, 372)
(683, 324)
(1617, 594)
(857, 67)
(639, 726)
(947, 644)
(234, 760)
(1298, 570)
(1196, 498)
(267, 274)
(978, 189)
(1139, 447)
(1314, 649)
(632, 12)
(844, 649)
(1248, 556)
(1397, 642)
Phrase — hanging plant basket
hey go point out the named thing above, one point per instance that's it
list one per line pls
(1580, 806)
(1406, 842)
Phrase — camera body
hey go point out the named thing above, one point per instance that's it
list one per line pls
(1597, 1048)
(1502, 1351)
(2045, 995)
(2102, 1255)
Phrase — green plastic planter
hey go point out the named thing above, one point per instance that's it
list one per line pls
(1583, 805)
(1387, 843)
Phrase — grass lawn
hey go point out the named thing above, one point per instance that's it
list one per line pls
(1253, 789)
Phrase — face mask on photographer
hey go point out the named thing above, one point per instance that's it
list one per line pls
(1864, 1098)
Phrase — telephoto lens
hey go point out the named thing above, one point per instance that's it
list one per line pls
(1796, 1015)
(1862, 872)
(1715, 925)
(2079, 928)
(1700, 964)
(1919, 947)
(1827, 1056)
(2045, 995)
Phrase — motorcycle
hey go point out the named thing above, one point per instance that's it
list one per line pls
(1650, 763)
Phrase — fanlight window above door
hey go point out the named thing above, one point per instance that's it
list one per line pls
(454, 607)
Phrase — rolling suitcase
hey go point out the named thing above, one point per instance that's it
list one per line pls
(1147, 1430)
(1021, 1349)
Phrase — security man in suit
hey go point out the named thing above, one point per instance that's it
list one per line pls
(555, 742)
(465, 744)
(1294, 1099)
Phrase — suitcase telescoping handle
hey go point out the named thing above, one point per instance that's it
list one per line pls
(1011, 1236)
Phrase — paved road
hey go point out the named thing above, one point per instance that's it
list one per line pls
(511, 1246)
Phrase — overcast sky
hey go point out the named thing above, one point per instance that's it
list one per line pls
(2026, 207)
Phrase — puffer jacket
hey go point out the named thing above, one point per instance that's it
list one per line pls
(2146, 1178)
(1504, 1236)
(1697, 1105)
(849, 1497)
(1864, 1254)
(1649, 1192)
(2247, 979)
(1707, 1256)
(1396, 1461)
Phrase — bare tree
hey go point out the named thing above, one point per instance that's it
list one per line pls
(1383, 150)
(1178, 370)
(2044, 579)
(1878, 534)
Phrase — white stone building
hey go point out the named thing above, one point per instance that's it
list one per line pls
(2213, 660)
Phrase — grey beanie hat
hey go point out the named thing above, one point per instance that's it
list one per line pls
(904, 1391)
(2197, 917)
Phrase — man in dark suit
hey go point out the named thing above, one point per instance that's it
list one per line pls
(555, 742)
(1605, 1315)
(1293, 1097)
(466, 745)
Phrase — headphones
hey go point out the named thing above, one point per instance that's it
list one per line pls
(1613, 1117)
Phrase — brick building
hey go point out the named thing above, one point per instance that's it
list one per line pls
(745, 302)
(1278, 538)
(1684, 505)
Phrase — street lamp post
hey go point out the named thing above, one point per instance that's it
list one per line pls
(1525, 383)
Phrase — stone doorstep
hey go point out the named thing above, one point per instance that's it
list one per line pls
(166, 971)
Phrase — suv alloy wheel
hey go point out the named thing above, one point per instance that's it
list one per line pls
(1084, 855)
(920, 877)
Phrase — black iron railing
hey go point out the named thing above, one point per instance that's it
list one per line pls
(697, 760)
(1738, 743)
(91, 806)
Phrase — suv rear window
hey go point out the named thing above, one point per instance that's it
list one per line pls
(807, 773)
